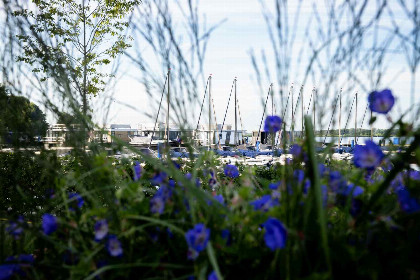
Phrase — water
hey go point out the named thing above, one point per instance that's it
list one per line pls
(360, 140)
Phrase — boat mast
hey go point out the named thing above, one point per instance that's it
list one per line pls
(160, 105)
(265, 106)
(210, 112)
(293, 119)
(302, 111)
(355, 124)
(167, 115)
(314, 91)
(339, 121)
(236, 119)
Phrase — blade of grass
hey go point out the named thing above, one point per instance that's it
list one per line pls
(213, 260)
(130, 265)
(315, 181)
(156, 221)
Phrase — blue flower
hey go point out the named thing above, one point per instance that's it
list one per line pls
(176, 164)
(368, 156)
(272, 124)
(324, 192)
(164, 192)
(75, 197)
(275, 236)
(24, 258)
(381, 101)
(212, 276)
(212, 182)
(407, 203)
(231, 171)
(220, 199)
(101, 229)
(159, 178)
(8, 270)
(336, 181)
(414, 175)
(197, 238)
(157, 204)
(274, 186)
(113, 246)
(306, 186)
(15, 228)
(264, 203)
(197, 180)
(299, 175)
(49, 223)
(192, 254)
(296, 150)
(227, 236)
(322, 169)
(355, 191)
(137, 171)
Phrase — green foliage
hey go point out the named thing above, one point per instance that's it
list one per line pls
(80, 36)
(20, 120)
(329, 234)
(26, 181)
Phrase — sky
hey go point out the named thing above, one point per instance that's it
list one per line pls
(228, 56)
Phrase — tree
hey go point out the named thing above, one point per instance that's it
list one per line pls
(67, 119)
(20, 120)
(80, 36)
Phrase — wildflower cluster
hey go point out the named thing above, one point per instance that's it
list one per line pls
(212, 220)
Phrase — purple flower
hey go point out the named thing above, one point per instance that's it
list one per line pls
(368, 156)
(381, 101)
(157, 204)
(75, 197)
(231, 171)
(113, 246)
(264, 203)
(272, 124)
(197, 238)
(15, 228)
(101, 229)
(275, 236)
(49, 223)
(407, 203)
(212, 276)
(137, 171)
